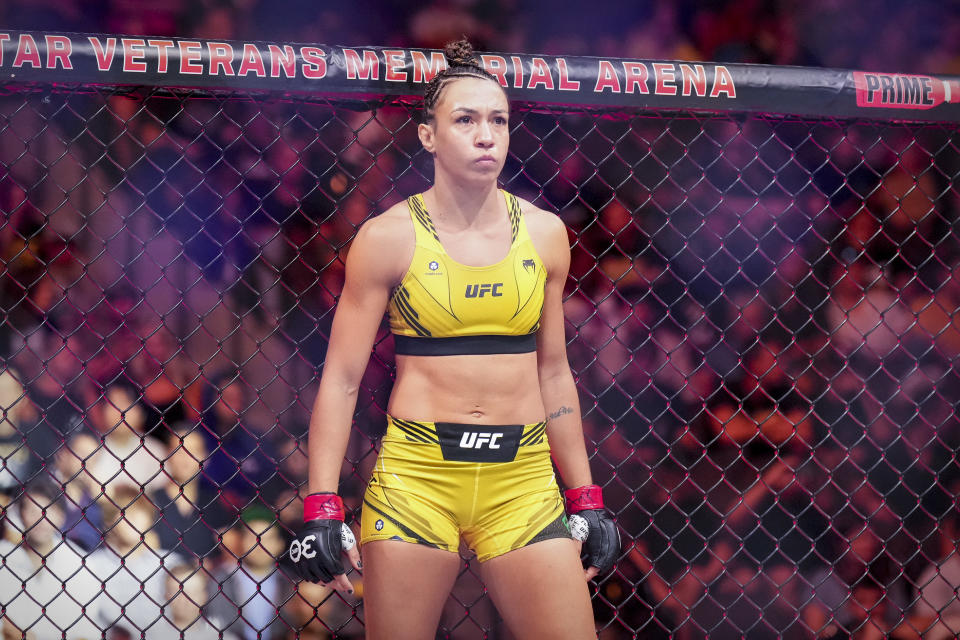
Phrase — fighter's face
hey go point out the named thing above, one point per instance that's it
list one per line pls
(470, 132)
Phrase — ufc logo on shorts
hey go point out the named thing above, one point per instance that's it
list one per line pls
(474, 440)
(479, 443)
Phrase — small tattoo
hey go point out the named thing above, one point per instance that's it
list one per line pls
(562, 411)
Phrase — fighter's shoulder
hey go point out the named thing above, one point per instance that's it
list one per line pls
(390, 227)
(384, 244)
(544, 226)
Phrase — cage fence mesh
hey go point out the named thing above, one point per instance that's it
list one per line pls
(761, 319)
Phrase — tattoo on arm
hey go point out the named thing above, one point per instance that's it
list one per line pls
(562, 411)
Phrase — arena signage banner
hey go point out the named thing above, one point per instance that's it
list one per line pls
(576, 81)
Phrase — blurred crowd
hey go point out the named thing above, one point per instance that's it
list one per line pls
(761, 321)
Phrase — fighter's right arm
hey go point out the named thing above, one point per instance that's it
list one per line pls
(375, 263)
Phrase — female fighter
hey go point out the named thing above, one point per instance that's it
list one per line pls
(472, 279)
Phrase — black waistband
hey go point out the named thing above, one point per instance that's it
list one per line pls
(472, 442)
(465, 345)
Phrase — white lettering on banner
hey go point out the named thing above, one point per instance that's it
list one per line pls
(636, 77)
(517, 71)
(540, 74)
(665, 75)
(282, 59)
(424, 71)
(565, 83)
(903, 91)
(221, 57)
(4, 37)
(162, 46)
(607, 78)
(133, 55)
(251, 62)
(366, 68)
(27, 52)
(497, 67)
(723, 83)
(536, 73)
(190, 56)
(694, 79)
(315, 66)
(395, 62)
(59, 49)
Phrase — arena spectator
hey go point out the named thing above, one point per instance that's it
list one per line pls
(936, 613)
(45, 585)
(45, 327)
(243, 461)
(252, 591)
(126, 457)
(131, 564)
(164, 373)
(187, 591)
(17, 462)
(82, 494)
(866, 614)
(192, 514)
(316, 613)
(858, 557)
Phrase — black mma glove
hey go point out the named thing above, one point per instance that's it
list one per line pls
(592, 525)
(316, 551)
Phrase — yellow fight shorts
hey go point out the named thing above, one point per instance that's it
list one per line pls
(437, 481)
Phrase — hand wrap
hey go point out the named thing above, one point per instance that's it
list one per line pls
(316, 550)
(592, 525)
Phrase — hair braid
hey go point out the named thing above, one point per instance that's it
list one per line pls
(462, 62)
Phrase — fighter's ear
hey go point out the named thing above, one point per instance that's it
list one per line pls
(427, 136)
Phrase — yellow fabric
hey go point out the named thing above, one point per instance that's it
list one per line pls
(441, 298)
(415, 495)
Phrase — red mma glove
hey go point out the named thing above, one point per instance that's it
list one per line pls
(324, 537)
(592, 525)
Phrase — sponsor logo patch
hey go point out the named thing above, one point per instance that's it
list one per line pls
(479, 443)
(902, 91)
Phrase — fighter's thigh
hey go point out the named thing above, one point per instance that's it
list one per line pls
(404, 588)
(541, 592)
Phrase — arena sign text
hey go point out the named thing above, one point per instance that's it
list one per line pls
(319, 69)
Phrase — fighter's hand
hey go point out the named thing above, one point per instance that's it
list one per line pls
(592, 525)
(316, 551)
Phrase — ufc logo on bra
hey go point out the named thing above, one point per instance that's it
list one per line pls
(474, 440)
(479, 290)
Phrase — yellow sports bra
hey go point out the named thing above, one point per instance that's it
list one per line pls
(442, 307)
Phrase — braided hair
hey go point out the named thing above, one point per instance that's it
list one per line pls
(462, 62)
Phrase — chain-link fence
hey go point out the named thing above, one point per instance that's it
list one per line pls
(761, 319)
